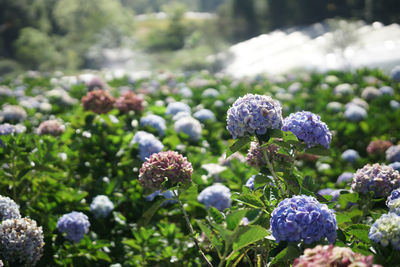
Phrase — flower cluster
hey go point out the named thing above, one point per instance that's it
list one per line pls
(355, 113)
(52, 127)
(350, 155)
(204, 115)
(393, 153)
(370, 93)
(343, 89)
(8, 209)
(309, 128)
(386, 230)
(163, 166)
(148, 144)
(98, 101)
(378, 147)
(129, 101)
(189, 126)
(253, 114)
(6, 129)
(12, 113)
(386, 90)
(217, 196)
(395, 165)
(380, 179)
(155, 122)
(303, 218)
(345, 177)
(395, 74)
(210, 93)
(175, 107)
(331, 256)
(101, 206)
(21, 241)
(74, 224)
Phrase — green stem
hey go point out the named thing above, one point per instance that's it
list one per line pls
(196, 242)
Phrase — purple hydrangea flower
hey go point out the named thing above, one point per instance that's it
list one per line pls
(380, 179)
(204, 115)
(252, 114)
(175, 107)
(308, 127)
(74, 224)
(217, 196)
(148, 144)
(386, 230)
(101, 206)
(8, 209)
(6, 129)
(345, 177)
(250, 182)
(189, 126)
(350, 155)
(155, 122)
(303, 218)
(325, 191)
(393, 153)
(395, 165)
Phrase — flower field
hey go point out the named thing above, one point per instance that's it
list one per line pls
(197, 169)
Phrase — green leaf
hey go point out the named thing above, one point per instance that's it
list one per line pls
(250, 200)
(216, 215)
(234, 218)
(249, 235)
(359, 231)
(289, 253)
(319, 150)
(345, 198)
(342, 218)
(148, 214)
(210, 236)
(241, 142)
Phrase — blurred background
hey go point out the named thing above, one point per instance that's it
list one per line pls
(234, 36)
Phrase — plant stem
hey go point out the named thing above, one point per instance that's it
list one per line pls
(196, 242)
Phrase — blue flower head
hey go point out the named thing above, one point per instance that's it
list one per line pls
(350, 155)
(6, 129)
(74, 224)
(345, 177)
(190, 126)
(393, 153)
(8, 209)
(250, 182)
(176, 107)
(395, 74)
(155, 122)
(309, 128)
(395, 165)
(386, 230)
(217, 196)
(303, 218)
(253, 114)
(204, 115)
(101, 206)
(148, 144)
(355, 113)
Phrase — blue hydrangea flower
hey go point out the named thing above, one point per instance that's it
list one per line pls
(325, 191)
(186, 92)
(74, 224)
(204, 115)
(101, 206)
(8, 209)
(350, 155)
(167, 194)
(148, 144)
(345, 177)
(394, 195)
(303, 218)
(308, 127)
(395, 74)
(176, 107)
(386, 90)
(386, 230)
(217, 196)
(252, 114)
(6, 129)
(394, 104)
(189, 126)
(250, 182)
(355, 113)
(181, 115)
(155, 122)
(210, 93)
(395, 165)
(393, 153)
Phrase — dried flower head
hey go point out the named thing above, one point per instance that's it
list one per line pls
(378, 147)
(129, 101)
(98, 101)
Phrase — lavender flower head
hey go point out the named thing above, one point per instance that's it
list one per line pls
(345, 177)
(250, 182)
(52, 127)
(253, 114)
(75, 225)
(8, 209)
(176, 107)
(155, 122)
(21, 241)
(395, 165)
(217, 196)
(101, 206)
(204, 115)
(380, 179)
(148, 144)
(6, 129)
(169, 165)
(303, 218)
(386, 230)
(393, 153)
(350, 155)
(330, 255)
(309, 128)
(189, 126)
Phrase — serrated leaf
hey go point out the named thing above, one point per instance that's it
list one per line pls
(289, 253)
(241, 142)
(216, 215)
(234, 218)
(360, 231)
(250, 200)
(249, 235)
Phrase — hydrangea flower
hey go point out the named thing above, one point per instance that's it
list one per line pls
(8, 209)
(204, 115)
(176, 107)
(61, 97)
(393, 197)
(98, 101)
(189, 126)
(52, 127)
(395, 74)
(380, 179)
(334, 106)
(167, 194)
(343, 89)
(330, 255)
(148, 144)
(394, 104)
(395, 165)
(378, 147)
(355, 113)
(217, 196)
(155, 122)
(6, 129)
(210, 93)
(129, 101)
(170, 166)
(74, 224)
(180, 115)
(96, 83)
(386, 230)
(386, 90)
(370, 93)
(345, 177)
(21, 242)
(250, 182)
(252, 114)
(12, 113)
(350, 155)
(309, 128)
(101, 206)
(393, 153)
(303, 218)
(186, 92)
(358, 102)
(325, 191)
